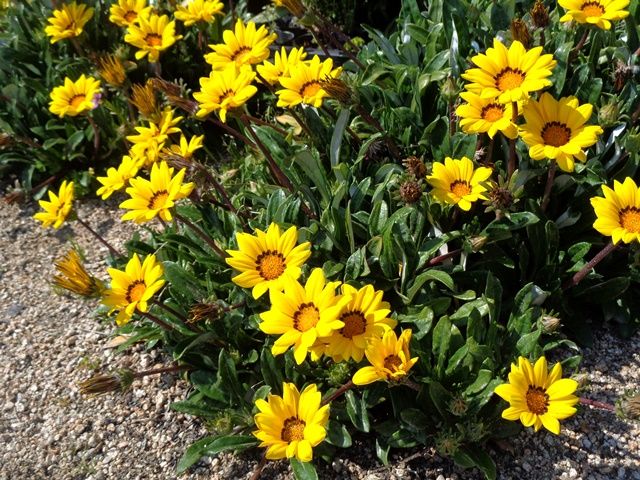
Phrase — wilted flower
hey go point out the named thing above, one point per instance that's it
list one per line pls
(540, 14)
(520, 32)
(415, 166)
(294, 6)
(119, 381)
(410, 191)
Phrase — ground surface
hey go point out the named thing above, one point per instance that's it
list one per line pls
(49, 342)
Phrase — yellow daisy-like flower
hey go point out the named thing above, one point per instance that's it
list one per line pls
(117, 179)
(268, 259)
(57, 208)
(480, 115)
(364, 317)
(132, 288)
(150, 140)
(281, 65)
(389, 357)
(619, 211)
(555, 129)
(155, 196)
(305, 83)
(510, 74)
(152, 35)
(125, 13)
(72, 276)
(243, 46)
(291, 425)
(194, 11)
(302, 314)
(457, 182)
(74, 98)
(595, 12)
(68, 21)
(224, 90)
(538, 397)
(186, 149)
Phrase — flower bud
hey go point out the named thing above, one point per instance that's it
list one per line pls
(550, 323)
(119, 381)
(449, 90)
(520, 32)
(632, 142)
(609, 115)
(478, 242)
(540, 14)
(628, 406)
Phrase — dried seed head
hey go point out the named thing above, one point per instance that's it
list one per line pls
(204, 311)
(378, 151)
(621, 75)
(415, 166)
(410, 191)
(540, 15)
(520, 32)
(500, 198)
(338, 90)
(448, 443)
(119, 381)
(628, 406)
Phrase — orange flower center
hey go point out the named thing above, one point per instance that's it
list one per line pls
(460, 188)
(310, 89)
(556, 134)
(158, 200)
(293, 430)
(392, 362)
(270, 264)
(509, 78)
(492, 112)
(592, 9)
(630, 219)
(135, 291)
(537, 400)
(76, 100)
(306, 317)
(226, 94)
(153, 39)
(354, 324)
(130, 16)
(240, 54)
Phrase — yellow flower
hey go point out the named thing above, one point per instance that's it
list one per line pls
(132, 288)
(294, 6)
(58, 207)
(389, 357)
(68, 21)
(244, 46)
(364, 317)
(456, 182)
(152, 35)
(302, 314)
(556, 129)
(596, 12)
(198, 11)
(619, 211)
(74, 98)
(143, 98)
(281, 67)
(186, 149)
(125, 13)
(117, 179)
(72, 276)
(267, 260)
(480, 115)
(509, 75)
(538, 397)
(111, 70)
(305, 83)
(291, 425)
(222, 91)
(155, 196)
(150, 140)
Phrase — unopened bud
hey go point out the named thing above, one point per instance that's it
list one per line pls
(632, 143)
(478, 242)
(458, 406)
(338, 90)
(204, 311)
(520, 32)
(449, 90)
(550, 324)
(295, 7)
(540, 14)
(119, 381)
(629, 405)
(609, 115)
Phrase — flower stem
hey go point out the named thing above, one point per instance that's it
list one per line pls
(344, 388)
(176, 314)
(582, 41)
(258, 471)
(441, 258)
(577, 278)
(258, 121)
(112, 250)
(511, 167)
(597, 404)
(200, 233)
(161, 323)
(547, 189)
(173, 369)
(411, 384)
(96, 136)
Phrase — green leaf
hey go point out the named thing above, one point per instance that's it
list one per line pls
(313, 168)
(338, 134)
(527, 343)
(431, 274)
(441, 339)
(210, 446)
(357, 411)
(303, 470)
(338, 435)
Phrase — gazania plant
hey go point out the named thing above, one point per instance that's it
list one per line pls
(345, 236)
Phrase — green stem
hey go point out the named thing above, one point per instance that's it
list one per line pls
(200, 233)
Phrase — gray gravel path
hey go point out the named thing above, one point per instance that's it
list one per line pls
(49, 342)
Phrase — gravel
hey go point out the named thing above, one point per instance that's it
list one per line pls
(50, 342)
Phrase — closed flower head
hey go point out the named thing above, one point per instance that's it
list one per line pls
(74, 98)
(457, 182)
(134, 287)
(68, 21)
(152, 34)
(556, 129)
(301, 314)
(618, 213)
(73, 277)
(245, 45)
(305, 83)
(595, 12)
(291, 425)
(538, 397)
(58, 207)
(111, 70)
(389, 357)
(509, 74)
